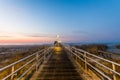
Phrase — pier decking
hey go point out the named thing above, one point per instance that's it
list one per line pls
(59, 67)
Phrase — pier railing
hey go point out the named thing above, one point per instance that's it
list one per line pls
(23, 68)
(20, 70)
(104, 68)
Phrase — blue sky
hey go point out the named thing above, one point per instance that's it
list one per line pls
(73, 20)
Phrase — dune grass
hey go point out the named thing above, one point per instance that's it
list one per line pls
(12, 58)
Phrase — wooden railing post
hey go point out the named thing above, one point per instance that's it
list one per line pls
(49, 53)
(114, 75)
(71, 53)
(44, 55)
(85, 61)
(76, 56)
(37, 62)
(12, 70)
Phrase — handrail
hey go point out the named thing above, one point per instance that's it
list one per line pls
(92, 66)
(35, 60)
(18, 61)
(86, 55)
(101, 64)
(18, 69)
(99, 57)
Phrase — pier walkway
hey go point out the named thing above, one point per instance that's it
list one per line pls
(59, 67)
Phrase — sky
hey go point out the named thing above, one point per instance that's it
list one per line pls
(39, 21)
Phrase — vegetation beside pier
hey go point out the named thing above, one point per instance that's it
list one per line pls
(94, 49)
(7, 59)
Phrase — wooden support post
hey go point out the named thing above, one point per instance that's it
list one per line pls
(44, 55)
(37, 62)
(114, 76)
(85, 60)
(76, 56)
(13, 69)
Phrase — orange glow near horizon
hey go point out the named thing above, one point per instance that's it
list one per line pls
(26, 40)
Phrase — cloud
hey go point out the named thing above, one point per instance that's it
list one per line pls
(19, 34)
(6, 36)
(40, 35)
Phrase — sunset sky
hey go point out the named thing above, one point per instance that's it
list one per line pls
(39, 21)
